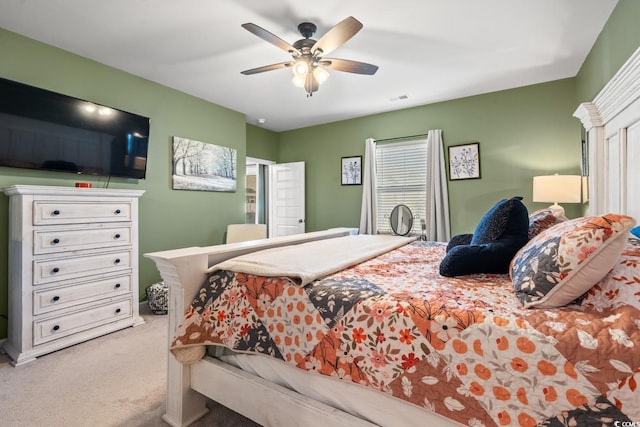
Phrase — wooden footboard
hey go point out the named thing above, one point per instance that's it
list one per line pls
(184, 271)
(266, 403)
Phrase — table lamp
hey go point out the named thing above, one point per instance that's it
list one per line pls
(557, 189)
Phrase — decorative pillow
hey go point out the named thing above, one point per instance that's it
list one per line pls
(636, 231)
(542, 219)
(563, 262)
(459, 239)
(491, 258)
(509, 216)
(495, 222)
(621, 286)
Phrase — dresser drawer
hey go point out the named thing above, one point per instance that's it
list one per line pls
(68, 296)
(51, 241)
(58, 327)
(55, 270)
(54, 212)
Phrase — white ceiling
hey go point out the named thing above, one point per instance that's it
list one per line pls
(427, 50)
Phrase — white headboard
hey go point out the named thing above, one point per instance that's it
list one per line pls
(612, 122)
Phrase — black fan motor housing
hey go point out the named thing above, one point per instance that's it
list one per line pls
(307, 29)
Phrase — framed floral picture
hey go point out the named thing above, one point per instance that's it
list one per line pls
(351, 170)
(464, 161)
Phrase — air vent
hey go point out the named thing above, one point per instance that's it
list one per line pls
(398, 98)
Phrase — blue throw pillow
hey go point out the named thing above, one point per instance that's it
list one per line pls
(459, 239)
(507, 223)
(495, 222)
(492, 258)
(636, 231)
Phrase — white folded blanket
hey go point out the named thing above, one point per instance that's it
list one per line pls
(307, 262)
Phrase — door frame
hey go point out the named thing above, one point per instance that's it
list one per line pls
(262, 201)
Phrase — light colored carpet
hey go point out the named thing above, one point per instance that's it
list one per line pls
(114, 380)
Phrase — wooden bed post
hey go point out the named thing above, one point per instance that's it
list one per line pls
(184, 405)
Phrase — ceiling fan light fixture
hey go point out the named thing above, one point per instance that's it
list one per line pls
(298, 81)
(320, 74)
(300, 68)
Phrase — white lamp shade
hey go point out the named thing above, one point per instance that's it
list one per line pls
(300, 68)
(557, 188)
(320, 74)
(298, 81)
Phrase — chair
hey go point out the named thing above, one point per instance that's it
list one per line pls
(243, 232)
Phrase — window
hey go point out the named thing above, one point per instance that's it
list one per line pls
(401, 171)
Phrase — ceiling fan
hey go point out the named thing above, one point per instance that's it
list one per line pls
(309, 64)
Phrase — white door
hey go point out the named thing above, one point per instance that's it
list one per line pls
(286, 199)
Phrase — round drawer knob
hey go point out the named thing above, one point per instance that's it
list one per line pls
(55, 241)
(56, 298)
(117, 261)
(118, 212)
(117, 236)
(117, 286)
(118, 310)
(55, 269)
(55, 213)
(56, 327)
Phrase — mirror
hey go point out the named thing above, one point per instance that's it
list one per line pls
(401, 220)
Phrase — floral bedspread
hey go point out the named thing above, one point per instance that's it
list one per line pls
(461, 347)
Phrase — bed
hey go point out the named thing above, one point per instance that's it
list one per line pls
(485, 349)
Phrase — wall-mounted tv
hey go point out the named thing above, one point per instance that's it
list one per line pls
(40, 129)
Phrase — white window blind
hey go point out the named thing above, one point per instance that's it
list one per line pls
(401, 174)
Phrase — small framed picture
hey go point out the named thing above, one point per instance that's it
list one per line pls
(464, 161)
(351, 170)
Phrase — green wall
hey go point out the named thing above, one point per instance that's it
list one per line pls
(618, 40)
(522, 132)
(165, 221)
(262, 143)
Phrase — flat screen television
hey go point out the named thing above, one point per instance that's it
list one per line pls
(40, 129)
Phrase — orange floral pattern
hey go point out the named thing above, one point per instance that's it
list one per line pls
(542, 219)
(463, 347)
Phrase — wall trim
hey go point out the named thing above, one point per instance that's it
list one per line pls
(588, 115)
(615, 96)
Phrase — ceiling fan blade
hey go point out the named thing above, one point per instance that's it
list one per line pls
(349, 66)
(269, 37)
(267, 68)
(336, 36)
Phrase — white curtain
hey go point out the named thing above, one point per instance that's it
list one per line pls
(369, 209)
(438, 228)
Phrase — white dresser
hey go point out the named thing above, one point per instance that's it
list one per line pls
(73, 266)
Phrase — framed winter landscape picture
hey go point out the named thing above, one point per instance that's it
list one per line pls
(351, 170)
(203, 167)
(464, 161)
